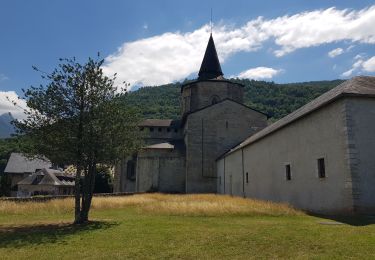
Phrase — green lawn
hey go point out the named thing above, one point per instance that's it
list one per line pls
(127, 233)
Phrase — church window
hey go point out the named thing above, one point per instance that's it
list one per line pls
(247, 177)
(288, 172)
(321, 168)
(130, 170)
(151, 129)
(214, 100)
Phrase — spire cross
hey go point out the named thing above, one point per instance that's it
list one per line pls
(211, 20)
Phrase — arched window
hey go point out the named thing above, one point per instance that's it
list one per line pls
(214, 99)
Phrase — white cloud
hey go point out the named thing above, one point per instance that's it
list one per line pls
(3, 77)
(173, 56)
(335, 52)
(369, 65)
(145, 26)
(259, 73)
(361, 65)
(6, 104)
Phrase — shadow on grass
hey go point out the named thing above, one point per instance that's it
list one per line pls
(41, 234)
(353, 220)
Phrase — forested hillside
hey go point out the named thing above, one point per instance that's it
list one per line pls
(276, 100)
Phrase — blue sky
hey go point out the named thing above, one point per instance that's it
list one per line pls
(156, 42)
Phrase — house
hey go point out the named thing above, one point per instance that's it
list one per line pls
(320, 158)
(46, 182)
(19, 166)
(180, 155)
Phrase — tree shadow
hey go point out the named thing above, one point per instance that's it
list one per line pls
(353, 220)
(41, 234)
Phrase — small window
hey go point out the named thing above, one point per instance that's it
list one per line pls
(226, 124)
(151, 129)
(288, 173)
(321, 168)
(247, 177)
(159, 129)
(215, 99)
(176, 130)
(168, 129)
(130, 170)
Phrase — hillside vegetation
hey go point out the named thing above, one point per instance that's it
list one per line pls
(276, 100)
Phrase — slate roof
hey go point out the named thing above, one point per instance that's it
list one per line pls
(210, 67)
(357, 86)
(48, 177)
(160, 146)
(161, 123)
(18, 163)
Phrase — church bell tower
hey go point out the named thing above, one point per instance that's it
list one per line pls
(210, 87)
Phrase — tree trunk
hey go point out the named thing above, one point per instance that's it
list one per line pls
(88, 191)
(77, 193)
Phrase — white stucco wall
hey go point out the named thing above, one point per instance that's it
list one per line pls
(320, 134)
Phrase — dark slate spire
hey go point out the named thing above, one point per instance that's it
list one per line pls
(210, 67)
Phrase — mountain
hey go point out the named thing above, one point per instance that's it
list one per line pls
(276, 100)
(6, 128)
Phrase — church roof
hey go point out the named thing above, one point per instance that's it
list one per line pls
(210, 67)
(357, 86)
(161, 123)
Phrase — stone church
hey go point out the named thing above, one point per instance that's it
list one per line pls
(180, 155)
(319, 158)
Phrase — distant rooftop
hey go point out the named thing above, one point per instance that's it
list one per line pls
(19, 163)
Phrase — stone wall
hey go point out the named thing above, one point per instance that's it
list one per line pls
(160, 170)
(360, 156)
(321, 134)
(211, 132)
(199, 94)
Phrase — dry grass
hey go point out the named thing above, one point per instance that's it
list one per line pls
(186, 205)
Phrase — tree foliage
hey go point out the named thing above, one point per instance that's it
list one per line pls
(276, 100)
(79, 118)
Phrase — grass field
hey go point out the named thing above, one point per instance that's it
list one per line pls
(155, 226)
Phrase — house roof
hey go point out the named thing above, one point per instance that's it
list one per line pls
(210, 67)
(48, 177)
(160, 146)
(161, 123)
(19, 163)
(357, 86)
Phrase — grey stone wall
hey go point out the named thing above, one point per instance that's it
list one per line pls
(360, 153)
(211, 132)
(200, 94)
(321, 134)
(160, 170)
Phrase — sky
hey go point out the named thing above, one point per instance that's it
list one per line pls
(150, 43)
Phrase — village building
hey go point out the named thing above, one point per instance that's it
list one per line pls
(46, 182)
(319, 158)
(19, 167)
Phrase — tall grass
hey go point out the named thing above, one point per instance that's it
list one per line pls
(186, 205)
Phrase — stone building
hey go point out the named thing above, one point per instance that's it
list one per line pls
(19, 167)
(179, 155)
(46, 182)
(319, 158)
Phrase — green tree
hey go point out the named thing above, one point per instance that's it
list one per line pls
(79, 118)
